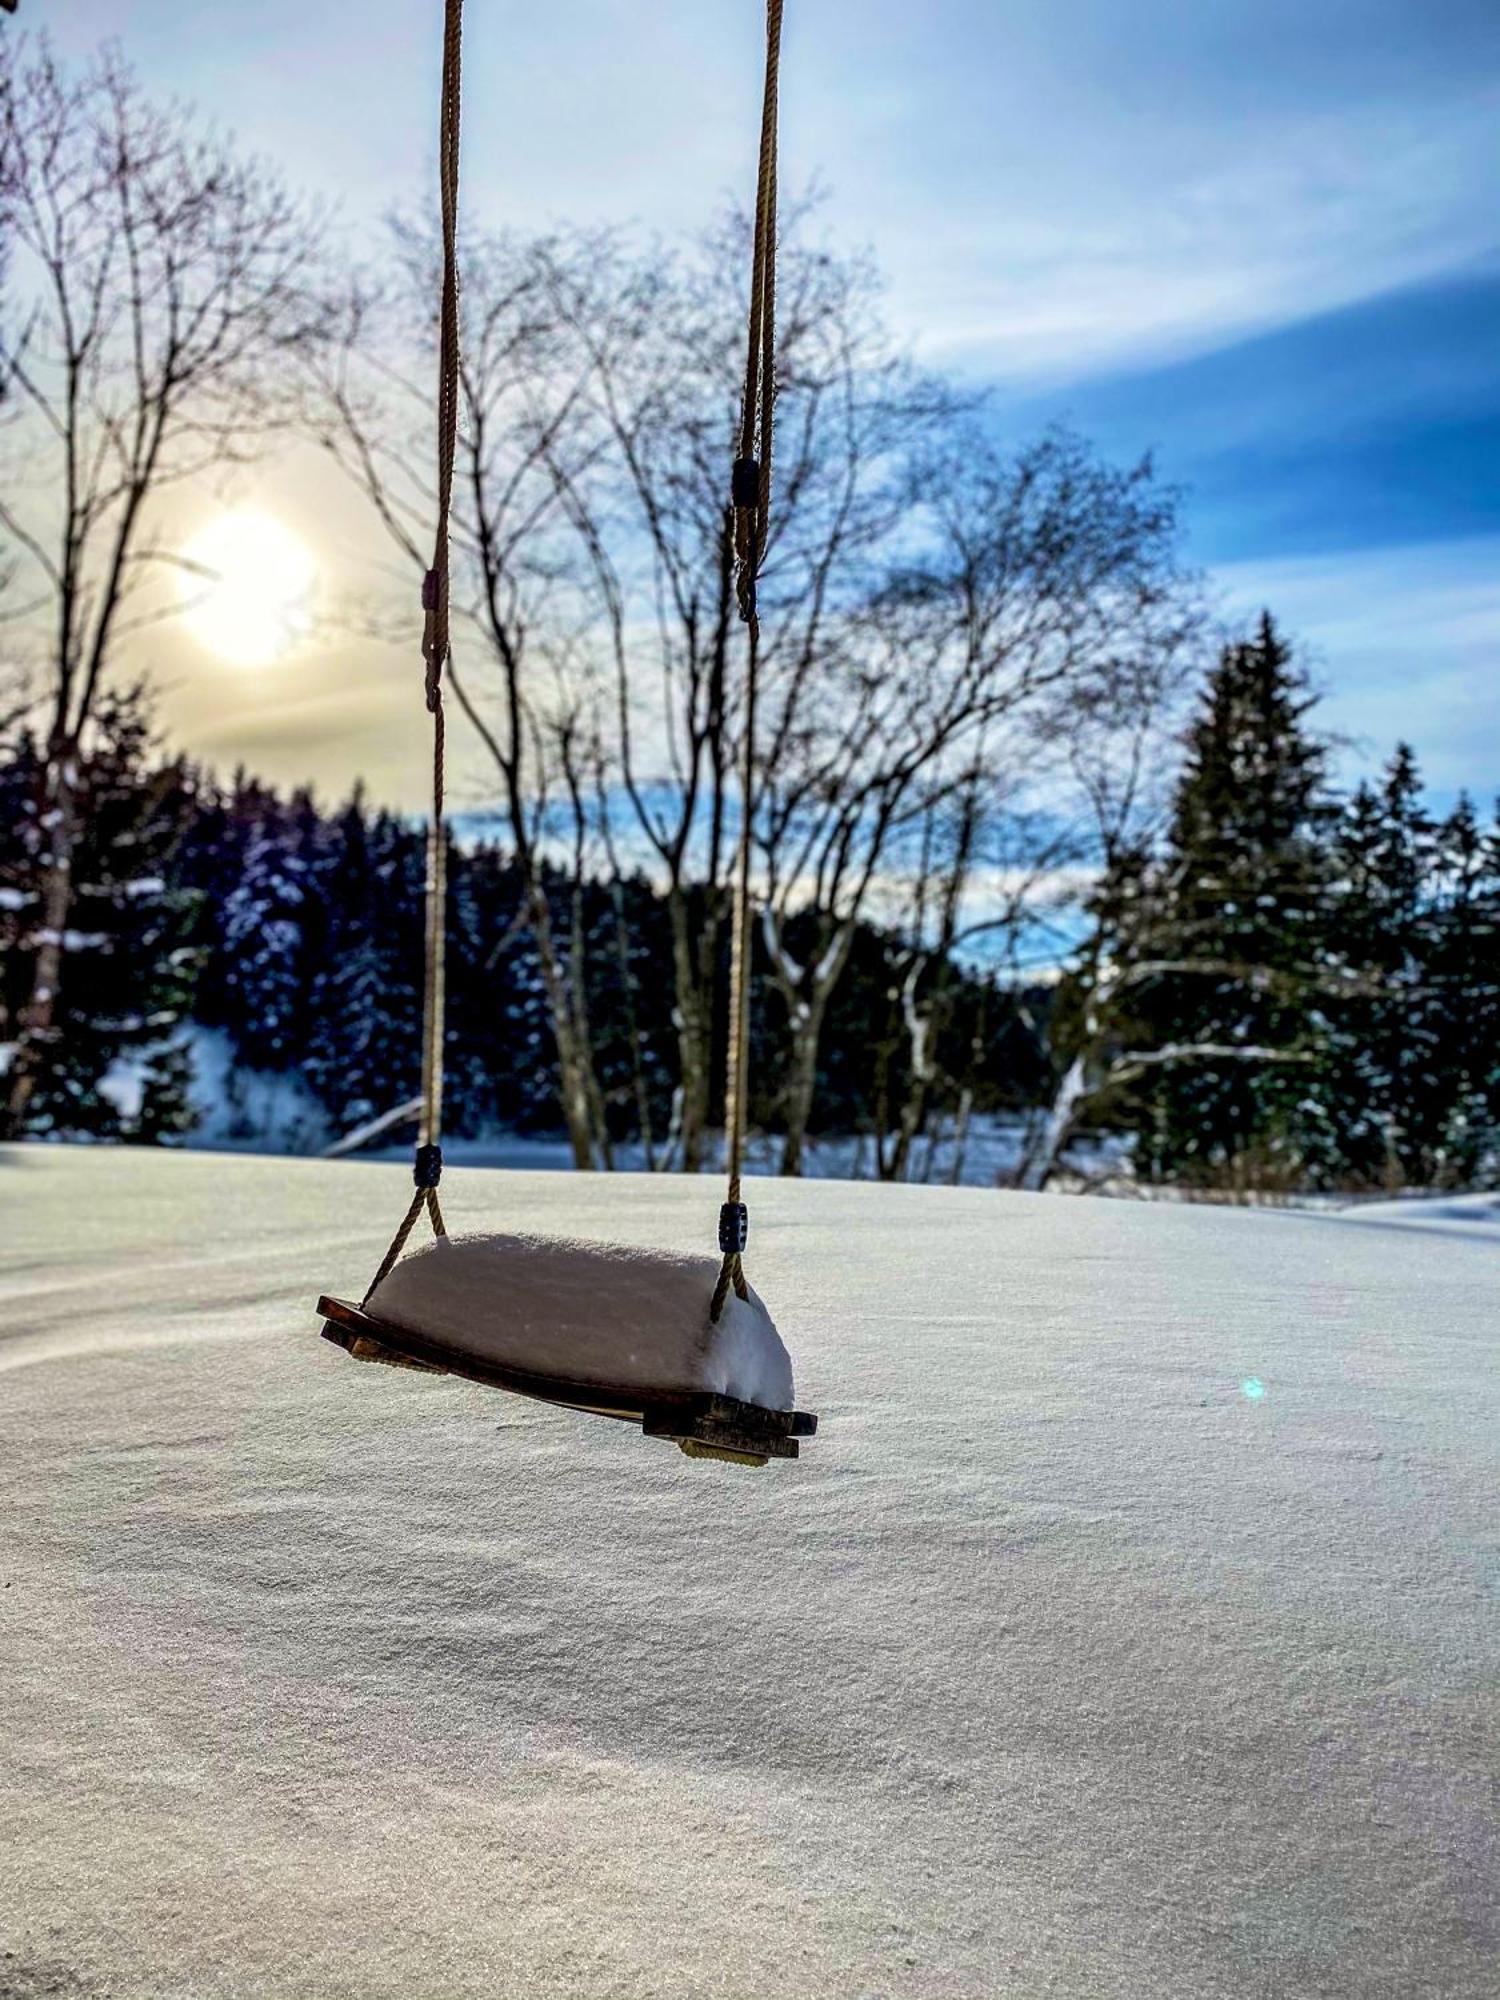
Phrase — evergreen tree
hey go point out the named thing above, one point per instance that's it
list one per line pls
(129, 941)
(347, 1057)
(1465, 989)
(1385, 1078)
(267, 962)
(167, 1113)
(1236, 907)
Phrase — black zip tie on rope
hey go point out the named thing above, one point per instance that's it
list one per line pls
(744, 497)
(427, 1168)
(432, 597)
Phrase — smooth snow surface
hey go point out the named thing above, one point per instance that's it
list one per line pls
(594, 1312)
(1473, 1211)
(1062, 1664)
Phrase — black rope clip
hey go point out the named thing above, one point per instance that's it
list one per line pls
(744, 485)
(734, 1227)
(427, 1169)
(431, 598)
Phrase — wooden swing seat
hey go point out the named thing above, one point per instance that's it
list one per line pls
(702, 1424)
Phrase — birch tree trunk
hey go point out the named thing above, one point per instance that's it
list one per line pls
(807, 990)
(693, 1020)
(1057, 1128)
(802, 1082)
(577, 1087)
(632, 1021)
(578, 1001)
(921, 1027)
(35, 1019)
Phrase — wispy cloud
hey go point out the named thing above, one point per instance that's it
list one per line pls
(1096, 274)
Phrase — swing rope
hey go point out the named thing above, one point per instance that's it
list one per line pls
(427, 1169)
(750, 497)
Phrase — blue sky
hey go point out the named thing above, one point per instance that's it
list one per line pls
(1259, 238)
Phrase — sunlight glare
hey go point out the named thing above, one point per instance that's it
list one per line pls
(247, 595)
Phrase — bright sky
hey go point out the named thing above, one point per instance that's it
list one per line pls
(1260, 237)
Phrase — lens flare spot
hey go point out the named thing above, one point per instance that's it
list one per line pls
(1253, 1387)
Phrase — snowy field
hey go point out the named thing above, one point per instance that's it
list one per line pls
(1130, 1629)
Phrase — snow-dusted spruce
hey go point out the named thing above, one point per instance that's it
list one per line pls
(1412, 1084)
(112, 1063)
(1205, 956)
(156, 279)
(263, 943)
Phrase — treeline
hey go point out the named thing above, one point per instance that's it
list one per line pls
(1277, 988)
(295, 930)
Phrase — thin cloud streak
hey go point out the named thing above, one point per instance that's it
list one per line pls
(1404, 642)
(1337, 210)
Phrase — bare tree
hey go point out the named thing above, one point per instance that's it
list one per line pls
(572, 738)
(630, 998)
(1119, 752)
(660, 337)
(987, 861)
(521, 441)
(157, 279)
(1037, 572)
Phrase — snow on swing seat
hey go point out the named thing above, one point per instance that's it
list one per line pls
(605, 1313)
(598, 1327)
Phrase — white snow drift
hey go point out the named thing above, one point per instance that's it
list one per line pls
(1129, 1631)
(594, 1312)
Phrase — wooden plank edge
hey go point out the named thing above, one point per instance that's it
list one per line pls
(704, 1415)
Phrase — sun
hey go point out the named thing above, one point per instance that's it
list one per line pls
(247, 589)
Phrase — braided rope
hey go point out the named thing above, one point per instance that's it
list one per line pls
(751, 520)
(436, 645)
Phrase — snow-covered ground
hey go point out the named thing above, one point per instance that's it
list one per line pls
(1130, 1629)
(238, 1109)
